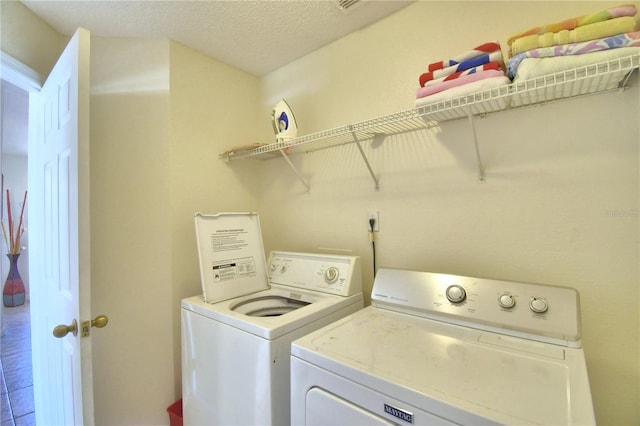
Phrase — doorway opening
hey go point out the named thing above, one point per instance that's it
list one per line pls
(16, 371)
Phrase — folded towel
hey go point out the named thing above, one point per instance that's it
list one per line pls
(614, 12)
(430, 90)
(613, 42)
(570, 24)
(476, 51)
(535, 67)
(584, 33)
(489, 66)
(468, 64)
(473, 87)
(527, 90)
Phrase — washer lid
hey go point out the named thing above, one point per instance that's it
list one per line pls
(231, 255)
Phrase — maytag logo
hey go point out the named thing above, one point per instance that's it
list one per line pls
(398, 413)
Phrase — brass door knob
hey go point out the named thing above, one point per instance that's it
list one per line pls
(99, 321)
(62, 330)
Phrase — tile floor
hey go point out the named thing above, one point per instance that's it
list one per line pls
(15, 367)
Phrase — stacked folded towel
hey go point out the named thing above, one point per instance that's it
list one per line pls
(608, 29)
(473, 70)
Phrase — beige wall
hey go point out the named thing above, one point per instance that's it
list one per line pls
(554, 175)
(213, 107)
(156, 114)
(131, 230)
(28, 38)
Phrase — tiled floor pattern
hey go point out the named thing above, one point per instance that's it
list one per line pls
(17, 378)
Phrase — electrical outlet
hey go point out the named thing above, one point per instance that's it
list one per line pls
(373, 214)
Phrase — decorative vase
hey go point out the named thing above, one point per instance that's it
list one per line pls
(13, 293)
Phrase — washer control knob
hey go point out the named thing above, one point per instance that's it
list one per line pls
(456, 294)
(506, 300)
(538, 306)
(331, 275)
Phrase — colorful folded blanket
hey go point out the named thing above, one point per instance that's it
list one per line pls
(430, 90)
(613, 42)
(584, 33)
(468, 64)
(489, 66)
(475, 52)
(570, 24)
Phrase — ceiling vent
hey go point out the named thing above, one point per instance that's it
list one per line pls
(347, 5)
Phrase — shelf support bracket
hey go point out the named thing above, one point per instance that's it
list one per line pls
(481, 176)
(286, 157)
(625, 81)
(364, 158)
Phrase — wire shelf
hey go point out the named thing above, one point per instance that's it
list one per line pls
(586, 80)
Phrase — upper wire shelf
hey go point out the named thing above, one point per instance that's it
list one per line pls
(585, 80)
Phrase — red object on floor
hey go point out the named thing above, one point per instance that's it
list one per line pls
(175, 413)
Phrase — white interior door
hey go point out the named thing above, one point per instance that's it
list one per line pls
(59, 238)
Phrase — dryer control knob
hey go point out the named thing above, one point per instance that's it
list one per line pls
(538, 306)
(331, 275)
(507, 300)
(456, 293)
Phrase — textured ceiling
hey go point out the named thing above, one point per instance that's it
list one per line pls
(255, 36)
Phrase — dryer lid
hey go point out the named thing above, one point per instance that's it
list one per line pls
(231, 255)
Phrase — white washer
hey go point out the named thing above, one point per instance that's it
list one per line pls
(446, 349)
(236, 338)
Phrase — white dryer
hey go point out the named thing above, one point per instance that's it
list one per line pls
(446, 349)
(236, 337)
